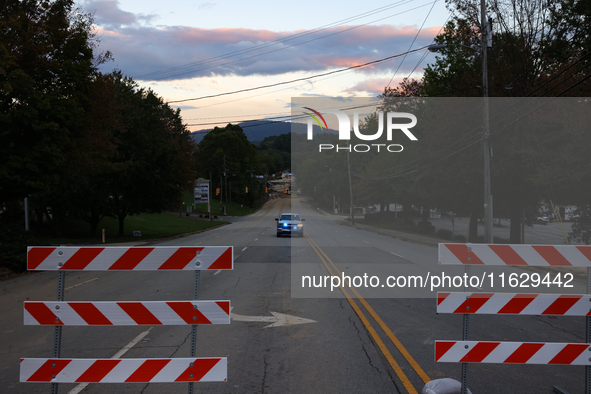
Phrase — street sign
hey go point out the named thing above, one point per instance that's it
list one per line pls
(201, 192)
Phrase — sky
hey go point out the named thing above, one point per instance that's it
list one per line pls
(191, 49)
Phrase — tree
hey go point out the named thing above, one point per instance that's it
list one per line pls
(92, 158)
(46, 66)
(581, 230)
(154, 158)
(226, 155)
(518, 66)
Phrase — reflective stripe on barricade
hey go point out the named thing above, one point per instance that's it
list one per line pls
(533, 255)
(127, 370)
(515, 304)
(512, 352)
(126, 313)
(137, 258)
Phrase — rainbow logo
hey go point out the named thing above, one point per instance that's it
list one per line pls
(315, 118)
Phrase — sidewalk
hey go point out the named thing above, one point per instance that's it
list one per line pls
(408, 237)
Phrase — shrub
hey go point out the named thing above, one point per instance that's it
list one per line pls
(426, 227)
(445, 234)
(13, 247)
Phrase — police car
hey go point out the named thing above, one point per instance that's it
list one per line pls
(290, 224)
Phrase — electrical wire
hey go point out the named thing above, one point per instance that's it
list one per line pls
(298, 79)
(278, 41)
(412, 43)
(289, 46)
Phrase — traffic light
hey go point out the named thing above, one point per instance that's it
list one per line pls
(266, 190)
(247, 189)
(217, 191)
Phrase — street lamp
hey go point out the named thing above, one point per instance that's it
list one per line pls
(485, 42)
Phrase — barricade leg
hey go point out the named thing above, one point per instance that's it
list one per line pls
(466, 320)
(588, 337)
(194, 328)
(57, 337)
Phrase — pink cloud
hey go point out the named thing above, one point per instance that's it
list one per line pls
(373, 86)
(139, 50)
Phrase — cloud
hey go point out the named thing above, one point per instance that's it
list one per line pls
(207, 5)
(373, 86)
(108, 13)
(142, 51)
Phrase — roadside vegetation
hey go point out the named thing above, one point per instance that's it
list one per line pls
(540, 52)
(89, 150)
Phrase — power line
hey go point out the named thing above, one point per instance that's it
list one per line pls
(279, 41)
(412, 43)
(413, 169)
(299, 79)
(289, 46)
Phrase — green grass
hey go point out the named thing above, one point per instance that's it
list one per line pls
(201, 208)
(233, 210)
(151, 226)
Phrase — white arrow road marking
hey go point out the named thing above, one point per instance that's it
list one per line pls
(277, 320)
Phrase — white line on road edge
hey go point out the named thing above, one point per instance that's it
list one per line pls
(79, 284)
(366, 242)
(217, 272)
(256, 239)
(397, 255)
(120, 353)
(245, 248)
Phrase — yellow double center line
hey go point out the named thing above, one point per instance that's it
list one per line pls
(401, 375)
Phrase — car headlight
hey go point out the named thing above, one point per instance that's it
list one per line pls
(300, 225)
(285, 225)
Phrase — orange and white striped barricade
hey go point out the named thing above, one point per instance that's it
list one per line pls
(512, 352)
(532, 255)
(126, 313)
(127, 370)
(514, 304)
(466, 303)
(138, 258)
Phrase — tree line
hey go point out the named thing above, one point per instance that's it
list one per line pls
(82, 144)
(76, 142)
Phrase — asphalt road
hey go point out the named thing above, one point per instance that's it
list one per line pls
(345, 349)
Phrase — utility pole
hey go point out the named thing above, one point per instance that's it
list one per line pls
(209, 206)
(225, 185)
(26, 213)
(351, 213)
(488, 207)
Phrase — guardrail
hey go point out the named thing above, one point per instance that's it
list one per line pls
(126, 313)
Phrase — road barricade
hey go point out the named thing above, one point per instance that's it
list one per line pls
(126, 313)
(468, 303)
